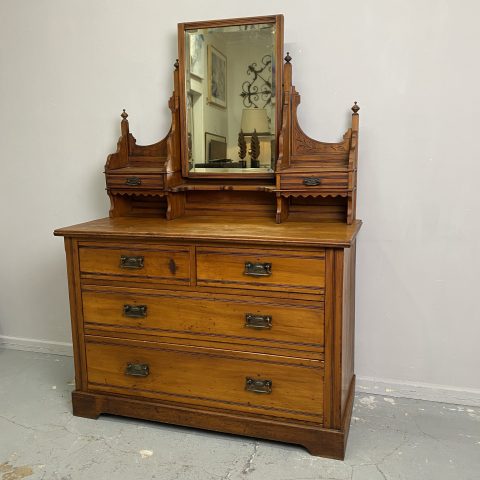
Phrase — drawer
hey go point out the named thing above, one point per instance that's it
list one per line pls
(134, 181)
(163, 263)
(294, 271)
(251, 383)
(254, 321)
(318, 181)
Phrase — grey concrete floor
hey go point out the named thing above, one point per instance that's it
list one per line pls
(390, 439)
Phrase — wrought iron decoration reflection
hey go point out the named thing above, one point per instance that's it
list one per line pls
(259, 89)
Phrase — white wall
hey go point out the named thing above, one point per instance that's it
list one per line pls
(243, 55)
(68, 68)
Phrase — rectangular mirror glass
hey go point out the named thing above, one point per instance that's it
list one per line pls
(230, 99)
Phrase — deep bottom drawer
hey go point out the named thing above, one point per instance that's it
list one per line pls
(248, 382)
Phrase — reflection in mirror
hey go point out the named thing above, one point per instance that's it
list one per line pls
(230, 98)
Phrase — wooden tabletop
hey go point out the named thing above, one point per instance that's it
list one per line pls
(254, 231)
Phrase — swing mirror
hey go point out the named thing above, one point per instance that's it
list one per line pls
(230, 87)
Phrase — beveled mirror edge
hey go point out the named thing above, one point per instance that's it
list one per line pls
(182, 27)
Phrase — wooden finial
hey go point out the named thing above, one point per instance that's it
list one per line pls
(124, 115)
(288, 58)
(355, 108)
(176, 64)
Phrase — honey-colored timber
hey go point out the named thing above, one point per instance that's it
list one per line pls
(247, 231)
(161, 263)
(289, 324)
(222, 301)
(195, 341)
(208, 377)
(256, 269)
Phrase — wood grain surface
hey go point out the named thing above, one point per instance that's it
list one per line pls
(291, 271)
(216, 229)
(161, 264)
(215, 318)
(209, 377)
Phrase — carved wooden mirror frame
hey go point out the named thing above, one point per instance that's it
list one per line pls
(276, 20)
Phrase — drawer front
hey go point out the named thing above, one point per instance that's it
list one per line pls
(134, 181)
(217, 318)
(293, 271)
(323, 181)
(247, 382)
(165, 264)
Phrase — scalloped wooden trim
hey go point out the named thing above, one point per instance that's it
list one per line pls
(138, 193)
(313, 194)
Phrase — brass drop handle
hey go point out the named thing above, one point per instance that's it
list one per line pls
(137, 369)
(258, 322)
(131, 262)
(135, 311)
(258, 386)
(258, 269)
(133, 181)
(311, 181)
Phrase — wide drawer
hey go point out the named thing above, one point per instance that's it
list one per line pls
(135, 263)
(254, 321)
(254, 383)
(294, 271)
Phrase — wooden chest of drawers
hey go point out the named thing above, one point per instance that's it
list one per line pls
(196, 323)
(220, 295)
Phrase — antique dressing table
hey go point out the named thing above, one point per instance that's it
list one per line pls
(219, 293)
